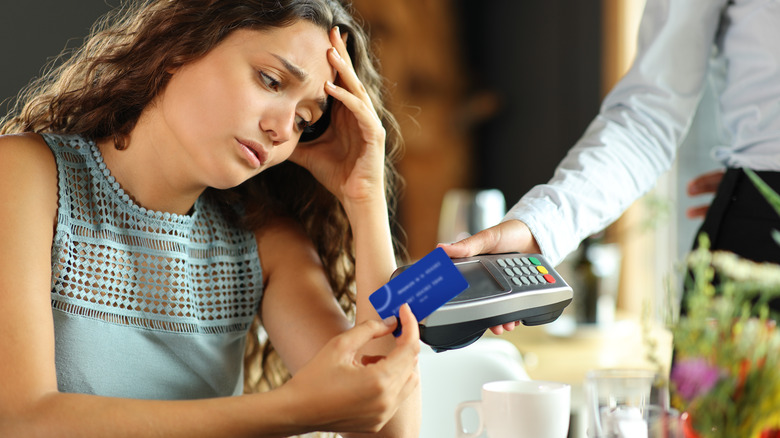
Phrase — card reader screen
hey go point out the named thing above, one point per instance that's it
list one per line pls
(481, 282)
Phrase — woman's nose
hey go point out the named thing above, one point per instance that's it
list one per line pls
(278, 125)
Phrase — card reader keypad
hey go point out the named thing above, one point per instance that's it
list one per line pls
(525, 271)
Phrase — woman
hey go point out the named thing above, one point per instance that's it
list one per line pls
(144, 230)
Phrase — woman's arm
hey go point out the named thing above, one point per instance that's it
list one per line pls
(375, 263)
(32, 406)
(300, 315)
(349, 160)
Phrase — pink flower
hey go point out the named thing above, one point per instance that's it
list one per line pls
(694, 377)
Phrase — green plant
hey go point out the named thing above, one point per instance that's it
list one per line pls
(726, 372)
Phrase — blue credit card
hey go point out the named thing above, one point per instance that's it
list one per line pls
(425, 285)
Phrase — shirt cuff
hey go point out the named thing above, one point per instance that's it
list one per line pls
(549, 227)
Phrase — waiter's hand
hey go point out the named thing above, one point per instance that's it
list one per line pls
(509, 236)
(704, 184)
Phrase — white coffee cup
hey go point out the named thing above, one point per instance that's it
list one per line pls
(520, 409)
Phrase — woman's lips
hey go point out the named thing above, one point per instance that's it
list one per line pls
(253, 153)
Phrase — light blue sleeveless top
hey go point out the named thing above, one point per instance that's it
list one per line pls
(146, 305)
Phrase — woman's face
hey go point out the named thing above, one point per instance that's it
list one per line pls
(242, 107)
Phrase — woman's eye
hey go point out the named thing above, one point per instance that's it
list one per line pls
(270, 82)
(301, 124)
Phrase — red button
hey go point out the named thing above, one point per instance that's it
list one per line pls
(549, 278)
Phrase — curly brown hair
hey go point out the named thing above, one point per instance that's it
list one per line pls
(100, 90)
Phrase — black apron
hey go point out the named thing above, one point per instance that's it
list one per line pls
(741, 220)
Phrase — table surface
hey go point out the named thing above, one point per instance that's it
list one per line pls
(620, 344)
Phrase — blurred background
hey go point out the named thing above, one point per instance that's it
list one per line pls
(490, 96)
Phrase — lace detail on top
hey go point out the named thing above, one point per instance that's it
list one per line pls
(118, 262)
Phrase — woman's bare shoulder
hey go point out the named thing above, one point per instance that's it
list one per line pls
(28, 149)
(27, 167)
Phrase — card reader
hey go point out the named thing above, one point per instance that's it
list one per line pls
(502, 288)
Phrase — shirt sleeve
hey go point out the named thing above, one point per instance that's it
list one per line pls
(635, 136)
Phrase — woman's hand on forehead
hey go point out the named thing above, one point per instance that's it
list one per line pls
(349, 159)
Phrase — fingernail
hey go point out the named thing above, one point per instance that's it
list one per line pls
(330, 84)
(335, 52)
(337, 29)
(390, 321)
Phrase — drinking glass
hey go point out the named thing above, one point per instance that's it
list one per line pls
(464, 212)
(621, 391)
(651, 421)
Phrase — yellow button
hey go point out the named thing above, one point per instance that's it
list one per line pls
(541, 269)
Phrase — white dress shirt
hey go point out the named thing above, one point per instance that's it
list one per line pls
(682, 44)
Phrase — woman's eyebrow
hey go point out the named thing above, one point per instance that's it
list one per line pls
(296, 71)
(301, 75)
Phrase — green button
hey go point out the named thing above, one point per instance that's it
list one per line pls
(535, 261)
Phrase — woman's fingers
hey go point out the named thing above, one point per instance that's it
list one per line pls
(340, 59)
(397, 372)
(346, 97)
(349, 83)
(352, 340)
(357, 402)
(368, 126)
(407, 349)
(339, 43)
(351, 92)
(410, 333)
